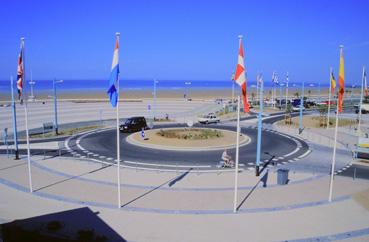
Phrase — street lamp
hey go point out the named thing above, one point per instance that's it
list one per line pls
(154, 111)
(187, 89)
(32, 97)
(55, 106)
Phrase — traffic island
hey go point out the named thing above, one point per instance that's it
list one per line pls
(187, 139)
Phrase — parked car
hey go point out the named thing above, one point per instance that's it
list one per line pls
(209, 118)
(133, 124)
(364, 108)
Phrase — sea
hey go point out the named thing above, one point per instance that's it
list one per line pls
(89, 85)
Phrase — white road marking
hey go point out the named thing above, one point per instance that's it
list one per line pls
(305, 154)
(163, 165)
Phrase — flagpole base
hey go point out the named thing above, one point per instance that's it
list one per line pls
(257, 170)
(16, 155)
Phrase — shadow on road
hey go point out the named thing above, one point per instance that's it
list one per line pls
(73, 177)
(9, 167)
(263, 179)
(170, 183)
(81, 224)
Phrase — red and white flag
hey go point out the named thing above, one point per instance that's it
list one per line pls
(20, 73)
(240, 78)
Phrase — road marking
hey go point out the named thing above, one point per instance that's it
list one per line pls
(305, 154)
(293, 152)
(164, 165)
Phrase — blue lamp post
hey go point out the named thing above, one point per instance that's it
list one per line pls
(56, 106)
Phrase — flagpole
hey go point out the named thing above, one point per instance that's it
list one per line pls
(237, 157)
(232, 78)
(257, 91)
(301, 106)
(334, 157)
(260, 124)
(118, 136)
(361, 102)
(26, 116)
(329, 96)
(286, 89)
(341, 82)
(14, 112)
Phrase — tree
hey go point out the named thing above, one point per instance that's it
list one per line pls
(309, 92)
(323, 109)
(297, 94)
(288, 115)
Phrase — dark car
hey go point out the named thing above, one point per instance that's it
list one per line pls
(133, 124)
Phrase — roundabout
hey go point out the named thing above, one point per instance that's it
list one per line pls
(99, 146)
(187, 139)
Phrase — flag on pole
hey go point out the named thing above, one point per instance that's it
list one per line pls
(20, 72)
(112, 91)
(333, 82)
(240, 78)
(341, 82)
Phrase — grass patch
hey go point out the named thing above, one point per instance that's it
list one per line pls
(319, 122)
(190, 134)
(65, 132)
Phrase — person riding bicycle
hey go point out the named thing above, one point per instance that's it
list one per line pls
(227, 159)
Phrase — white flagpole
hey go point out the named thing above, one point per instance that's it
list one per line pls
(118, 138)
(329, 96)
(334, 157)
(257, 90)
(237, 157)
(361, 102)
(26, 119)
(287, 80)
(233, 87)
(272, 90)
(335, 139)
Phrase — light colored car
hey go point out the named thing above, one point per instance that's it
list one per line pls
(297, 108)
(207, 119)
(364, 108)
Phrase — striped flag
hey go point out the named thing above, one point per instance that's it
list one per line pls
(275, 78)
(240, 78)
(114, 76)
(20, 72)
(333, 82)
(341, 82)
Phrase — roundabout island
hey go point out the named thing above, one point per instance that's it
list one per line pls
(187, 139)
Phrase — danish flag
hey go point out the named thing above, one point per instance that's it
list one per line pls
(240, 78)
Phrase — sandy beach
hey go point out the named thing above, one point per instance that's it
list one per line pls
(195, 94)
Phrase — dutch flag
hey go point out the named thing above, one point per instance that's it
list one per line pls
(112, 91)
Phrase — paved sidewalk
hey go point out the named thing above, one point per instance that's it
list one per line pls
(170, 206)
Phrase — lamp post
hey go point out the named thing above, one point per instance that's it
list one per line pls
(187, 84)
(55, 106)
(32, 97)
(154, 111)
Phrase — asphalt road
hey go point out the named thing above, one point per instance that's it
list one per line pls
(356, 172)
(102, 144)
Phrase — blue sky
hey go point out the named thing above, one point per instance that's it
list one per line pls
(185, 40)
